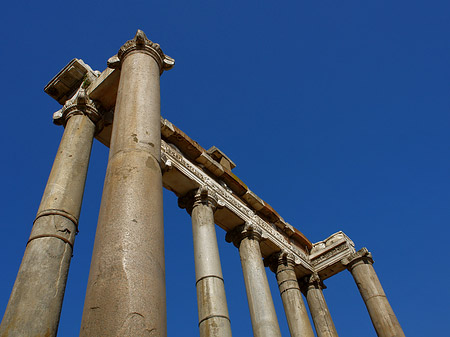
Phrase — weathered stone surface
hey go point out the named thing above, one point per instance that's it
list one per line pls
(213, 315)
(262, 311)
(383, 318)
(297, 316)
(36, 299)
(126, 289)
(312, 288)
(221, 158)
(64, 85)
(327, 255)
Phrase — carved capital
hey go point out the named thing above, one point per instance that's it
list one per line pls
(280, 258)
(311, 281)
(142, 44)
(79, 104)
(201, 196)
(247, 230)
(362, 256)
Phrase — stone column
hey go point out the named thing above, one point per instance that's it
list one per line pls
(312, 288)
(380, 311)
(262, 310)
(36, 299)
(213, 315)
(126, 293)
(297, 316)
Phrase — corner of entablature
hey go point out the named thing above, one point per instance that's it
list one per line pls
(361, 255)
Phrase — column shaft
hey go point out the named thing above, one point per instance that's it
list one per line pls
(36, 299)
(212, 305)
(380, 311)
(262, 310)
(319, 311)
(294, 307)
(126, 293)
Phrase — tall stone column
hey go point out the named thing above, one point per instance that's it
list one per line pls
(262, 310)
(380, 311)
(312, 288)
(36, 299)
(126, 293)
(294, 307)
(213, 315)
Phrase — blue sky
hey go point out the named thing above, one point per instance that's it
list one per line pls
(335, 112)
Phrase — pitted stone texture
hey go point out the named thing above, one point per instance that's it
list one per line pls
(383, 318)
(142, 44)
(212, 305)
(312, 288)
(126, 288)
(262, 311)
(36, 299)
(294, 307)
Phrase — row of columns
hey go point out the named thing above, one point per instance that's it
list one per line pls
(212, 307)
(126, 288)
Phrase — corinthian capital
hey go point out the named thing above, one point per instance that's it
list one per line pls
(143, 44)
(79, 104)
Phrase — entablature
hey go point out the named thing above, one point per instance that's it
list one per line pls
(186, 166)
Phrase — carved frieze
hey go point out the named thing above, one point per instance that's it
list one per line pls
(226, 198)
(330, 252)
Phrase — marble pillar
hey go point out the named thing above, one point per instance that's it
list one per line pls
(213, 315)
(126, 293)
(312, 287)
(380, 311)
(35, 304)
(262, 310)
(297, 316)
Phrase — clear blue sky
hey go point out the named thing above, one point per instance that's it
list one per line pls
(335, 112)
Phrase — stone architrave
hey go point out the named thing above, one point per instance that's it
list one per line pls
(36, 299)
(262, 310)
(312, 288)
(126, 288)
(213, 315)
(297, 316)
(383, 318)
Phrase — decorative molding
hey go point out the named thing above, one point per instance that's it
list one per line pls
(361, 255)
(247, 230)
(330, 251)
(140, 42)
(79, 104)
(309, 282)
(279, 258)
(225, 198)
(200, 196)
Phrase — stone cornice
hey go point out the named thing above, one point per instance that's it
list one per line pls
(192, 151)
(186, 166)
(69, 79)
(326, 255)
(173, 159)
(141, 43)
